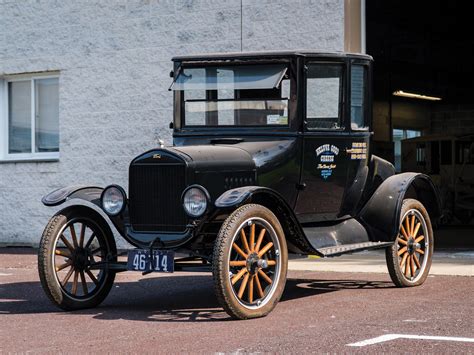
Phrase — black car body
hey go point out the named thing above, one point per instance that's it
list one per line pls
(289, 131)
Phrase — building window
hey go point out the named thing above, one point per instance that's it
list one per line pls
(398, 136)
(30, 118)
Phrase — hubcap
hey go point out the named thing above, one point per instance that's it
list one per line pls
(254, 263)
(412, 245)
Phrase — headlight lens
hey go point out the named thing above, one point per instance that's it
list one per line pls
(113, 200)
(195, 201)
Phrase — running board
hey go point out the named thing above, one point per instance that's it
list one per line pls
(351, 248)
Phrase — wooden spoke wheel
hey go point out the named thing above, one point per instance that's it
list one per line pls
(74, 249)
(409, 259)
(250, 262)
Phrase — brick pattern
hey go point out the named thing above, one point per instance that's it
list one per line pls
(114, 61)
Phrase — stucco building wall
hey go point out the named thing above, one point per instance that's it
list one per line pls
(113, 59)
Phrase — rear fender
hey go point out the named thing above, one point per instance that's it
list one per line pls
(381, 214)
(90, 194)
(234, 198)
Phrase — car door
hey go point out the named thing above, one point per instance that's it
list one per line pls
(334, 151)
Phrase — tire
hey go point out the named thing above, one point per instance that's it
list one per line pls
(249, 270)
(409, 258)
(73, 239)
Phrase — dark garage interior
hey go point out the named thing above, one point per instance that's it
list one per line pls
(424, 51)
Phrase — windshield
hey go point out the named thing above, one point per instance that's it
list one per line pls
(245, 95)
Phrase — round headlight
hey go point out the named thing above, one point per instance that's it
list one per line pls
(113, 200)
(195, 201)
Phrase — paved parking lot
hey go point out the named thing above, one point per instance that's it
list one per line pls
(320, 311)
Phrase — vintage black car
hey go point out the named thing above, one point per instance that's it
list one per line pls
(271, 155)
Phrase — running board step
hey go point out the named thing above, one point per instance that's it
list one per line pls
(350, 248)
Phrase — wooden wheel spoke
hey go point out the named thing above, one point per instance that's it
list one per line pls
(239, 275)
(91, 238)
(402, 241)
(238, 263)
(64, 253)
(265, 276)
(412, 228)
(402, 250)
(243, 285)
(407, 225)
(67, 277)
(243, 238)
(82, 236)
(67, 243)
(407, 266)
(250, 289)
(404, 259)
(74, 284)
(419, 239)
(417, 262)
(239, 251)
(84, 283)
(412, 266)
(63, 266)
(265, 249)
(404, 232)
(252, 237)
(271, 262)
(92, 277)
(73, 235)
(419, 251)
(417, 228)
(260, 239)
(259, 286)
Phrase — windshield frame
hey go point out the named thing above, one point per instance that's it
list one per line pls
(179, 102)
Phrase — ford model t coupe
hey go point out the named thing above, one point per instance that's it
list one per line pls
(271, 155)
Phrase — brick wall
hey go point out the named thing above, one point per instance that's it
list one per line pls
(114, 60)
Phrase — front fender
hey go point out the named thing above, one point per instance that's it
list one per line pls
(89, 194)
(381, 214)
(295, 236)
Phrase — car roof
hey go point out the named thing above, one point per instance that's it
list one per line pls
(269, 54)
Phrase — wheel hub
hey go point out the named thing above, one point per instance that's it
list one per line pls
(253, 263)
(80, 258)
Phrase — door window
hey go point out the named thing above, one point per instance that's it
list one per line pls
(358, 97)
(324, 96)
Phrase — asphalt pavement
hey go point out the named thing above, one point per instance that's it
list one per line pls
(320, 311)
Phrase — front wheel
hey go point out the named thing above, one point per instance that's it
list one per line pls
(409, 258)
(75, 240)
(250, 262)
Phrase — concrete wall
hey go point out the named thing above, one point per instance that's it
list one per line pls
(114, 60)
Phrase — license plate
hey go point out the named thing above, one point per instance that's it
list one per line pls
(139, 260)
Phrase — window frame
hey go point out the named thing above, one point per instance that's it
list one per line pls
(342, 94)
(5, 156)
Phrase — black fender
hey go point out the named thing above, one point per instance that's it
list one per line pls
(89, 194)
(295, 236)
(381, 214)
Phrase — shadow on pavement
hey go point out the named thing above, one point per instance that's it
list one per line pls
(163, 299)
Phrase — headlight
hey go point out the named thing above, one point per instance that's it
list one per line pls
(113, 200)
(195, 199)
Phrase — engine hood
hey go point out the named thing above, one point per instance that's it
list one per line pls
(216, 158)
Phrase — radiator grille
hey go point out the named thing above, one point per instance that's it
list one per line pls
(155, 197)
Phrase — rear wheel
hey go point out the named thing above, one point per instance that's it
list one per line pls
(250, 262)
(409, 258)
(73, 241)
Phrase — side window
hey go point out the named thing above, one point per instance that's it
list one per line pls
(358, 97)
(323, 96)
